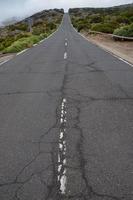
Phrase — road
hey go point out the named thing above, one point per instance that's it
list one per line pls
(66, 122)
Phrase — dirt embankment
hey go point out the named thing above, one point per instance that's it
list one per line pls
(123, 49)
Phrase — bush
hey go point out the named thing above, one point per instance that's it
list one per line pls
(22, 27)
(19, 26)
(105, 27)
(43, 35)
(38, 30)
(126, 31)
(38, 22)
(96, 18)
(122, 20)
(131, 19)
(8, 40)
(22, 35)
(1, 46)
(83, 27)
(22, 44)
(51, 26)
(81, 23)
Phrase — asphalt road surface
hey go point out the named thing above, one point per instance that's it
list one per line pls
(66, 122)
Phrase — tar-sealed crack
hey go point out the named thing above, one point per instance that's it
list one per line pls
(56, 189)
(88, 192)
(52, 187)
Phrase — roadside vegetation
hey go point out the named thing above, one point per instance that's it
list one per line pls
(21, 35)
(117, 20)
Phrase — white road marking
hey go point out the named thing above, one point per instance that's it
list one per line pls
(5, 61)
(61, 135)
(62, 178)
(22, 52)
(58, 159)
(66, 42)
(63, 181)
(114, 55)
(123, 60)
(40, 41)
(64, 100)
(61, 147)
(34, 45)
(65, 55)
(61, 120)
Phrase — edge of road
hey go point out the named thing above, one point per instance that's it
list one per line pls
(23, 51)
(111, 53)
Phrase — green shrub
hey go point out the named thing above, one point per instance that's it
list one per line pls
(38, 22)
(128, 13)
(58, 20)
(122, 20)
(11, 27)
(1, 46)
(105, 27)
(22, 35)
(95, 18)
(83, 27)
(43, 35)
(19, 26)
(8, 41)
(81, 23)
(22, 44)
(126, 31)
(131, 19)
(22, 26)
(37, 30)
(51, 26)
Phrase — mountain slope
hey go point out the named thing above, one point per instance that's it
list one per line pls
(104, 19)
(35, 28)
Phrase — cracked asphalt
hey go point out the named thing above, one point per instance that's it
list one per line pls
(98, 136)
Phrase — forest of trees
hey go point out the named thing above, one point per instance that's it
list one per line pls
(117, 20)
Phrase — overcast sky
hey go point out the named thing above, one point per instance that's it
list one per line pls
(21, 8)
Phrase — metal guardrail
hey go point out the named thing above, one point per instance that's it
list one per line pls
(115, 37)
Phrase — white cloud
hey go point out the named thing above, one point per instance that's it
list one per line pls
(66, 4)
(21, 8)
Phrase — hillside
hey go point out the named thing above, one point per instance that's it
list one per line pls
(24, 34)
(117, 20)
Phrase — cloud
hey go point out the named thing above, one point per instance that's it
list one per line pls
(66, 4)
(22, 8)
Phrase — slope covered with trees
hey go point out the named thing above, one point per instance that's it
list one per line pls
(117, 20)
(24, 34)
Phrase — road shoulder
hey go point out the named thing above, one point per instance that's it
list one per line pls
(6, 57)
(122, 49)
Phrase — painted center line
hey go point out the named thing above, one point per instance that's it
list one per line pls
(65, 43)
(62, 178)
(65, 55)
